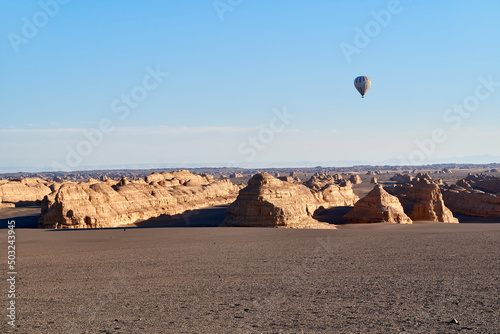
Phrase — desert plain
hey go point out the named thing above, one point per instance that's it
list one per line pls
(184, 273)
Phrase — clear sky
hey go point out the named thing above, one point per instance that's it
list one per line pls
(84, 83)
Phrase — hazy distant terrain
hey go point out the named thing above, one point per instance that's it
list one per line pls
(227, 171)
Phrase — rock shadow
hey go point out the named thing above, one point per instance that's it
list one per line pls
(333, 215)
(207, 217)
(464, 219)
(24, 216)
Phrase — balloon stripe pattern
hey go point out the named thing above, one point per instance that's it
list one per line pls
(362, 84)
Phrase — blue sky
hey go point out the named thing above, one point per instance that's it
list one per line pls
(228, 77)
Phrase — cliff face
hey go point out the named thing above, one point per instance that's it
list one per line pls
(270, 202)
(23, 190)
(475, 195)
(471, 202)
(425, 202)
(111, 204)
(422, 200)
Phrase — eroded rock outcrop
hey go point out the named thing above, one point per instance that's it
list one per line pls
(378, 206)
(290, 179)
(337, 177)
(338, 195)
(422, 200)
(319, 182)
(400, 178)
(30, 190)
(486, 183)
(270, 202)
(111, 204)
(334, 190)
(472, 202)
(355, 179)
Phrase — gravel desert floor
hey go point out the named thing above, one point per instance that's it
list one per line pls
(377, 278)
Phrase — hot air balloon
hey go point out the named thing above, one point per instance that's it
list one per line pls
(362, 84)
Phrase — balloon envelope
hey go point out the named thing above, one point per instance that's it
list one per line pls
(362, 84)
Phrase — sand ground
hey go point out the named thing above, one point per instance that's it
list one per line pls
(377, 278)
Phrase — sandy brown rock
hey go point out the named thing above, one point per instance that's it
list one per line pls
(374, 180)
(270, 202)
(334, 190)
(378, 206)
(487, 183)
(471, 202)
(104, 204)
(464, 184)
(402, 178)
(320, 181)
(290, 179)
(422, 200)
(427, 204)
(338, 194)
(24, 190)
(355, 179)
(476, 195)
(337, 177)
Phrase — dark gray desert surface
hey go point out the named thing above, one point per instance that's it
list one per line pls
(377, 278)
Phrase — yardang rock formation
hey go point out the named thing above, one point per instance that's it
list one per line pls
(270, 202)
(378, 206)
(110, 204)
(422, 200)
(476, 195)
(30, 190)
